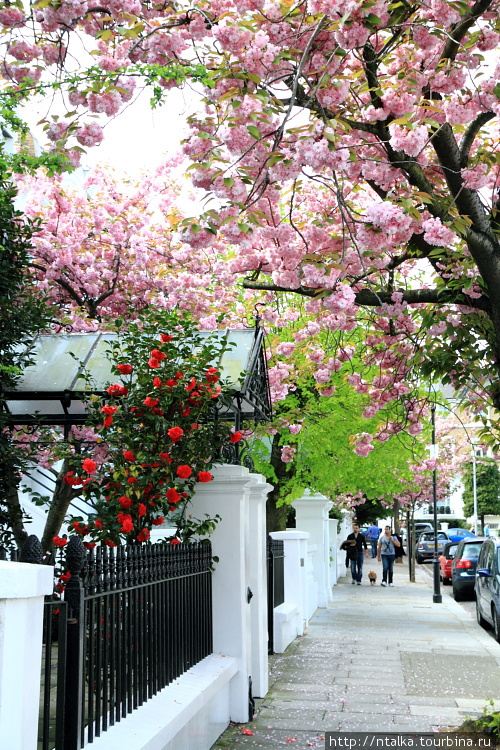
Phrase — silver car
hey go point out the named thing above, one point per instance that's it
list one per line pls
(425, 545)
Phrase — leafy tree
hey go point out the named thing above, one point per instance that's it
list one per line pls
(22, 314)
(487, 489)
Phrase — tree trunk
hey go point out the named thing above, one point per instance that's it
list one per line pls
(14, 515)
(63, 495)
(276, 516)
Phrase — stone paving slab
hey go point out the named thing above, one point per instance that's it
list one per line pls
(376, 659)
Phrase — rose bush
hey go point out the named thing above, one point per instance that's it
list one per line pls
(161, 427)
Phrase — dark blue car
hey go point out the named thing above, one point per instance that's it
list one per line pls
(487, 586)
(456, 535)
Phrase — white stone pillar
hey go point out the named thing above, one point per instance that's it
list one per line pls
(22, 589)
(333, 552)
(257, 577)
(295, 572)
(312, 516)
(228, 495)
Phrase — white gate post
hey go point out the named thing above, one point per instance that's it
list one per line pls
(333, 552)
(312, 516)
(22, 588)
(259, 664)
(228, 496)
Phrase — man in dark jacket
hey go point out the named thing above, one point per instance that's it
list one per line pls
(354, 545)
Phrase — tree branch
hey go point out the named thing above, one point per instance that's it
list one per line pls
(470, 134)
(459, 30)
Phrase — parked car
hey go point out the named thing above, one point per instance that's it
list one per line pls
(425, 545)
(463, 567)
(487, 586)
(456, 535)
(445, 560)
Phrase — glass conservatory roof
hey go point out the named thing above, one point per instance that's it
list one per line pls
(49, 391)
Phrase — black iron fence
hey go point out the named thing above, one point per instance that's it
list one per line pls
(275, 584)
(133, 619)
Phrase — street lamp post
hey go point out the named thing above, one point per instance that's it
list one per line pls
(436, 597)
(474, 482)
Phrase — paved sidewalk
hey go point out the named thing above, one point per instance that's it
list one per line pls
(377, 659)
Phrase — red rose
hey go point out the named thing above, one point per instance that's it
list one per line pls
(125, 502)
(143, 536)
(165, 337)
(175, 542)
(124, 369)
(141, 510)
(178, 375)
(186, 412)
(98, 524)
(129, 455)
(212, 375)
(172, 495)
(204, 476)
(235, 437)
(157, 354)
(158, 521)
(153, 363)
(191, 385)
(89, 466)
(157, 382)
(170, 383)
(165, 457)
(117, 390)
(184, 471)
(108, 421)
(175, 434)
(108, 409)
(80, 528)
(65, 576)
(89, 545)
(151, 401)
(59, 541)
(132, 480)
(109, 543)
(127, 525)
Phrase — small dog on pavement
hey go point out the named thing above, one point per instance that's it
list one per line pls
(372, 577)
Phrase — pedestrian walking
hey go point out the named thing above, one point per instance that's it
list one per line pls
(487, 531)
(387, 551)
(372, 536)
(354, 545)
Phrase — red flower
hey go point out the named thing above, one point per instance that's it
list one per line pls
(175, 542)
(71, 479)
(108, 409)
(109, 543)
(124, 369)
(132, 480)
(194, 426)
(125, 502)
(89, 545)
(157, 382)
(175, 434)
(178, 375)
(59, 541)
(186, 412)
(246, 731)
(64, 578)
(191, 385)
(153, 363)
(98, 524)
(117, 390)
(158, 521)
(165, 457)
(157, 354)
(143, 535)
(165, 337)
(204, 476)
(129, 455)
(212, 375)
(127, 525)
(184, 471)
(171, 383)
(172, 495)
(108, 421)
(235, 437)
(141, 510)
(80, 528)
(89, 466)
(151, 401)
